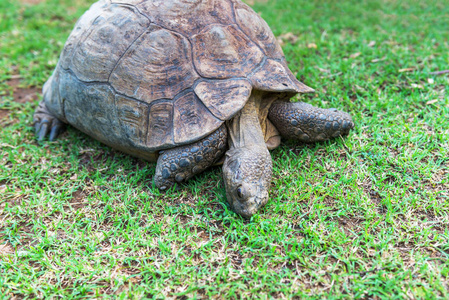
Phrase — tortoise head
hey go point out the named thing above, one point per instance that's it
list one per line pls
(247, 175)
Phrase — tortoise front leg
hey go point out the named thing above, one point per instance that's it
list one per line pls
(308, 123)
(182, 163)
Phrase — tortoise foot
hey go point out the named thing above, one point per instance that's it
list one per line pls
(46, 124)
(182, 163)
(307, 123)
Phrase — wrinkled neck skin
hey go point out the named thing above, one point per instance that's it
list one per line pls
(247, 168)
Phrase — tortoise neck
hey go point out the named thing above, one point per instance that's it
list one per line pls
(244, 129)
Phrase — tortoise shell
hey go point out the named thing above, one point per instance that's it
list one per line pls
(155, 74)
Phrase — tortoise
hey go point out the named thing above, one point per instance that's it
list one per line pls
(188, 84)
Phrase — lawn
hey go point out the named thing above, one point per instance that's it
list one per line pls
(364, 217)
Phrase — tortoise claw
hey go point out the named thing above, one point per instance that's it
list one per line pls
(55, 131)
(43, 130)
(37, 126)
(46, 124)
(48, 128)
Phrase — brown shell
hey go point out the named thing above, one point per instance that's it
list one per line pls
(257, 30)
(154, 74)
(158, 65)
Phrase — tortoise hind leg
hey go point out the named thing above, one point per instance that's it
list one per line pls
(46, 123)
(307, 123)
(182, 163)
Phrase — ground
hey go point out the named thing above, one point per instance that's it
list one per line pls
(364, 217)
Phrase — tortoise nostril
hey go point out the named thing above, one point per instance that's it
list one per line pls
(240, 193)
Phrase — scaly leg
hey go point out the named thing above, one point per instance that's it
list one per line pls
(182, 163)
(308, 123)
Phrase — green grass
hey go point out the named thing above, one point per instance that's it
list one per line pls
(361, 218)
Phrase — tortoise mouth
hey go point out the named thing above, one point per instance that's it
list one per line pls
(249, 207)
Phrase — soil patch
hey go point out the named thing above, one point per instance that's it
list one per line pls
(79, 199)
(23, 95)
(31, 2)
(5, 248)
(4, 113)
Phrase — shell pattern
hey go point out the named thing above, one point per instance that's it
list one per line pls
(154, 74)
